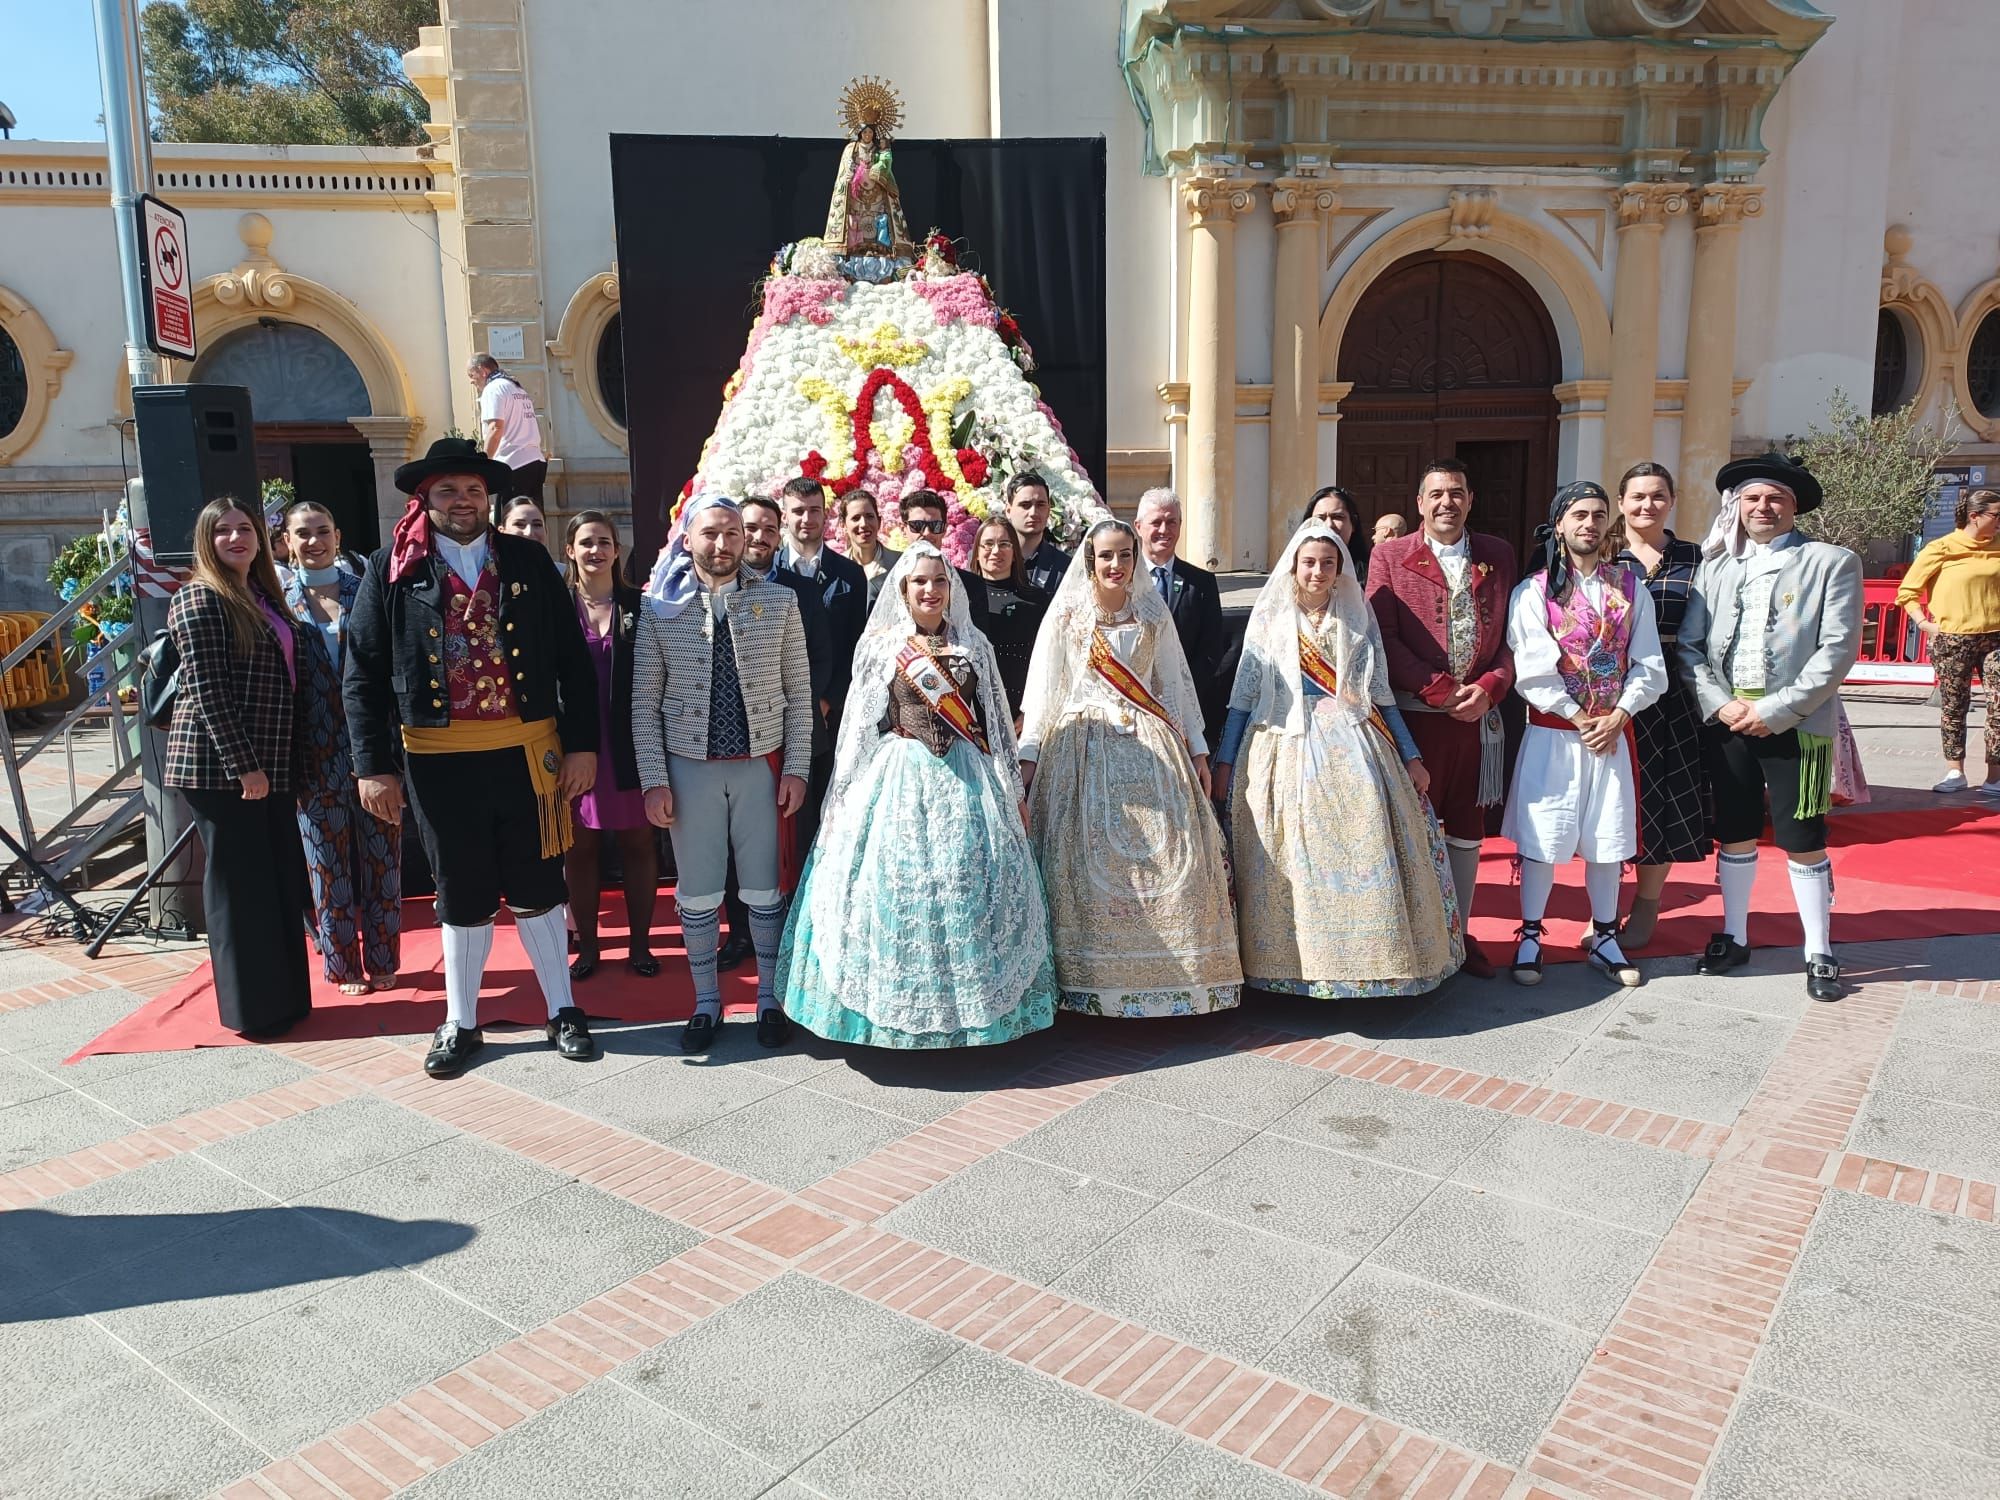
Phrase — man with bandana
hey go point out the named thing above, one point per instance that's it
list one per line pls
(722, 720)
(464, 652)
(1586, 658)
(1772, 628)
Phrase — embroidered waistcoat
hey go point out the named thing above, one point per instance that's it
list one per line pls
(1595, 647)
(475, 663)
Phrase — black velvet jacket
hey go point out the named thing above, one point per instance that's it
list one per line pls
(394, 673)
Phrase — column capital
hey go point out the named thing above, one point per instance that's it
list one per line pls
(1648, 205)
(1212, 202)
(1727, 205)
(1302, 200)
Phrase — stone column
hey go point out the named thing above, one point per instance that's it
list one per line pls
(389, 443)
(1212, 204)
(1297, 203)
(1643, 210)
(1708, 416)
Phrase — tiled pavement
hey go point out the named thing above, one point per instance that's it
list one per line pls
(1699, 1239)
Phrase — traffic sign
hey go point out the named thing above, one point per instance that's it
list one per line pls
(164, 272)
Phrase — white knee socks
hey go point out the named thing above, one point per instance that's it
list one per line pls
(465, 950)
(545, 935)
(1812, 889)
(1601, 880)
(1538, 878)
(1464, 857)
(1736, 874)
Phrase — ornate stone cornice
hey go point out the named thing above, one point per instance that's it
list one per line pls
(1302, 200)
(1727, 205)
(1648, 205)
(1214, 201)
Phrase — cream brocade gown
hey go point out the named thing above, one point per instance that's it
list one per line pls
(1131, 855)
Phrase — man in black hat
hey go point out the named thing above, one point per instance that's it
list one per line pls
(1773, 625)
(464, 646)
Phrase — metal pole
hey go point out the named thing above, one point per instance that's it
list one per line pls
(129, 158)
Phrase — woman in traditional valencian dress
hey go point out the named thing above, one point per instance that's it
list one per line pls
(1117, 769)
(1674, 804)
(919, 920)
(1341, 872)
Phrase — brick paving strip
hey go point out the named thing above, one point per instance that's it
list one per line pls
(1625, 1122)
(1647, 1414)
(38, 1181)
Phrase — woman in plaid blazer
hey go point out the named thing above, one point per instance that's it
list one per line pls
(231, 750)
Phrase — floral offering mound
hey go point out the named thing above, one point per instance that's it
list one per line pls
(913, 383)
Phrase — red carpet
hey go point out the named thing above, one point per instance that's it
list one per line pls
(184, 1016)
(1896, 875)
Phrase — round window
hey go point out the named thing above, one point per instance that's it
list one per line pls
(1892, 362)
(611, 367)
(13, 384)
(1982, 366)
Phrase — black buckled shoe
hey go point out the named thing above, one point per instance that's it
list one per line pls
(773, 1028)
(452, 1047)
(569, 1033)
(1823, 977)
(698, 1033)
(1722, 954)
(1528, 969)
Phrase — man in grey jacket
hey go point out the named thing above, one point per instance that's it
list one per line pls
(1773, 625)
(722, 715)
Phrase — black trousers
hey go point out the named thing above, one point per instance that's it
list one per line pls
(257, 897)
(482, 832)
(528, 480)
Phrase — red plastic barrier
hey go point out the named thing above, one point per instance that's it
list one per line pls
(1892, 648)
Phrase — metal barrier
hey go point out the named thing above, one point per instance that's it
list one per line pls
(31, 663)
(1893, 649)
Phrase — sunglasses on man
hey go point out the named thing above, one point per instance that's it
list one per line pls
(925, 523)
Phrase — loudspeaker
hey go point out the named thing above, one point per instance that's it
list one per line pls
(196, 444)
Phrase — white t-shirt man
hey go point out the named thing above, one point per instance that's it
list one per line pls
(502, 401)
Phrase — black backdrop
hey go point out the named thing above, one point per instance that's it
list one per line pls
(699, 218)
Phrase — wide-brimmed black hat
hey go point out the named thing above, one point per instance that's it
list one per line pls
(454, 456)
(1791, 472)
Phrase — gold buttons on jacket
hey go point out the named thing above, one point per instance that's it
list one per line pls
(517, 651)
(510, 624)
(434, 682)
(434, 631)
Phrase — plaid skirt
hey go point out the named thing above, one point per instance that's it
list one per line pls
(1676, 810)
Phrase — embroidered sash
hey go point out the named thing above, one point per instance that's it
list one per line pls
(933, 683)
(1314, 665)
(1104, 661)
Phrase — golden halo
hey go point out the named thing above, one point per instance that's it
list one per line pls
(870, 101)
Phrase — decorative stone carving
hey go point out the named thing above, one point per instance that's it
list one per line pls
(258, 280)
(42, 361)
(1477, 17)
(1302, 200)
(1727, 205)
(1900, 280)
(1648, 204)
(1214, 201)
(574, 350)
(1472, 210)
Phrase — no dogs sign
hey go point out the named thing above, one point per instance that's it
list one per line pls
(163, 264)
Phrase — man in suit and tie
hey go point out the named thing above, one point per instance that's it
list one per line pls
(1441, 596)
(1027, 496)
(1773, 626)
(843, 588)
(1195, 601)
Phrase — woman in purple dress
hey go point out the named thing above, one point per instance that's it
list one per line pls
(608, 608)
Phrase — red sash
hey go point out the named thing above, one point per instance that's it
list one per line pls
(1543, 720)
(933, 683)
(1104, 661)
(1315, 665)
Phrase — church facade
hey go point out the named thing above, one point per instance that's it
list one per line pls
(1552, 237)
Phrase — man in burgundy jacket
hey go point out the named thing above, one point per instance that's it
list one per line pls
(1441, 596)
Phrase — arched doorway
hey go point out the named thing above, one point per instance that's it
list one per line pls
(1451, 355)
(303, 392)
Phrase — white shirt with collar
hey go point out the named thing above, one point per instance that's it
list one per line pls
(465, 559)
(805, 564)
(1453, 557)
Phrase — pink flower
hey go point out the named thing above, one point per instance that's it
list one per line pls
(957, 299)
(786, 297)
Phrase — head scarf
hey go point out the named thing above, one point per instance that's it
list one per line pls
(673, 582)
(1727, 535)
(1269, 680)
(1062, 646)
(1554, 559)
(410, 543)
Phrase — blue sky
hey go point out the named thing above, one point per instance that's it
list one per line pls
(48, 69)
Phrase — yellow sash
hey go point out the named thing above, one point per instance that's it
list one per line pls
(924, 672)
(1104, 661)
(539, 741)
(1313, 664)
